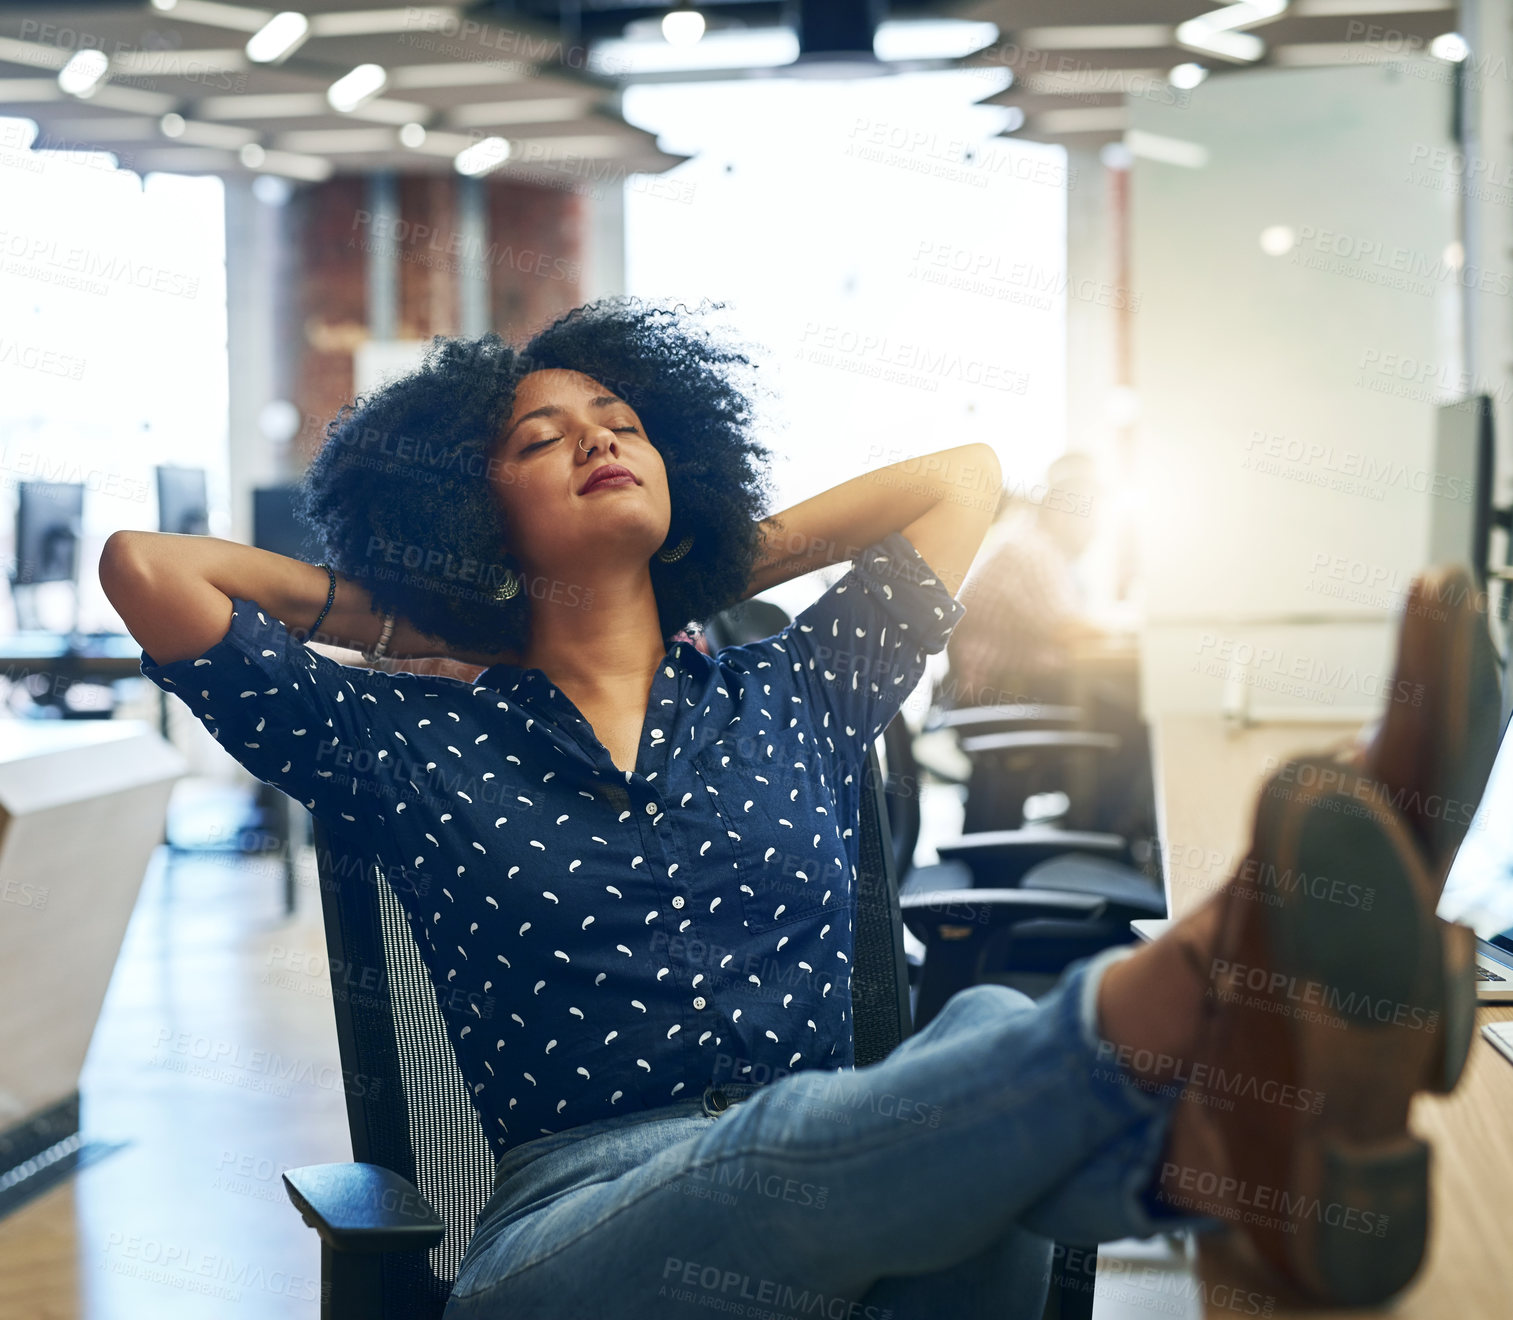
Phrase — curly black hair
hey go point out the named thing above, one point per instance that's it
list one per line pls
(399, 495)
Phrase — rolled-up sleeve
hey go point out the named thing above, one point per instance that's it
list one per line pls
(859, 650)
(282, 710)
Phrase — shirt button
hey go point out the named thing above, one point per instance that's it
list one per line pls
(699, 1001)
(651, 808)
(678, 901)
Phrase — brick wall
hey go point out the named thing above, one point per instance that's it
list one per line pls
(533, 251)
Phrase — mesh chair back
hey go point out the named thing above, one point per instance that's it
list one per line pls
(880, 1016)
(407, 1103)
(901, 793)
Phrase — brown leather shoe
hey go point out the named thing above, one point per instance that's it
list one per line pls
(1334, 995)
(1433, 748)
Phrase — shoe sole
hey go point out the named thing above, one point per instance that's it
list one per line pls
(1444, 711)
(1398, 959)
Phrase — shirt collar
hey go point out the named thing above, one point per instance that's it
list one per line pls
(504, 676)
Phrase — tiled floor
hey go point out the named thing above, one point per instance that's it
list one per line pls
(216, 1061)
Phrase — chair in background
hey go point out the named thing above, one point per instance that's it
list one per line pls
(394, 1224)
(745, 622)
(1051, 764)
(1077, 892)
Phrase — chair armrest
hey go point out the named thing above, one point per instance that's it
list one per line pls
(942, 913)
(1026, 847)
(960, 928)
(363, 1208)
(1004, 719)
(1042, 740)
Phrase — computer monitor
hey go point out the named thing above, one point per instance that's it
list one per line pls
(183, 505)
(49, 521)
(1461, 495)
(275, 526)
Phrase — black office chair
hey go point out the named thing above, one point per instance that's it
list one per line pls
(1029, 944)
(393, 1225)
(745, 622)
(999, 855)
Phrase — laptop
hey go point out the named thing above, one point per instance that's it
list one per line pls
(1479, 886)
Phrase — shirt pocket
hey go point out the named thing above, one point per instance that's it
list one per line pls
(781, 839)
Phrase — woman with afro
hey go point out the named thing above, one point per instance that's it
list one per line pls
(634, 865)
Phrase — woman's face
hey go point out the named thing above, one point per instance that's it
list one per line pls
(539, 471)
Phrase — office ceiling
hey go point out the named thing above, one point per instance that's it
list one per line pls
(1076, 63)
(452, 69)
(180, 93)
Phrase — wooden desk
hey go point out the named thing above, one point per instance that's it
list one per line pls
(1206, 785)
(97, 659)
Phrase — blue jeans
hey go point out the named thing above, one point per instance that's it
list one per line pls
(930, 1183)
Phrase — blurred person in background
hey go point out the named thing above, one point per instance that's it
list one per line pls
(1029, 636)
(1026, 611)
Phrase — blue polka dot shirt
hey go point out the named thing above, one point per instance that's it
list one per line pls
(605, 941)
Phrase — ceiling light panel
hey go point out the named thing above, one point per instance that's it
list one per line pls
(467, 73)
(238, 18)
(519, 111)
(33, 54)
(372, 22)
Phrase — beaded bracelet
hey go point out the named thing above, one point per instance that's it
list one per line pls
(330, 596)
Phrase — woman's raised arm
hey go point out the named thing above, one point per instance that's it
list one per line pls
(174, 594)
(942, 502)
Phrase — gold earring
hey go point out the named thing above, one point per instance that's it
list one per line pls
(510, 588)
(672, 556)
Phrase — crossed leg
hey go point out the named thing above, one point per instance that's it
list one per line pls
(907, 1180)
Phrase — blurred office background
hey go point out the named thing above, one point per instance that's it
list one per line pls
(1256, 264)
